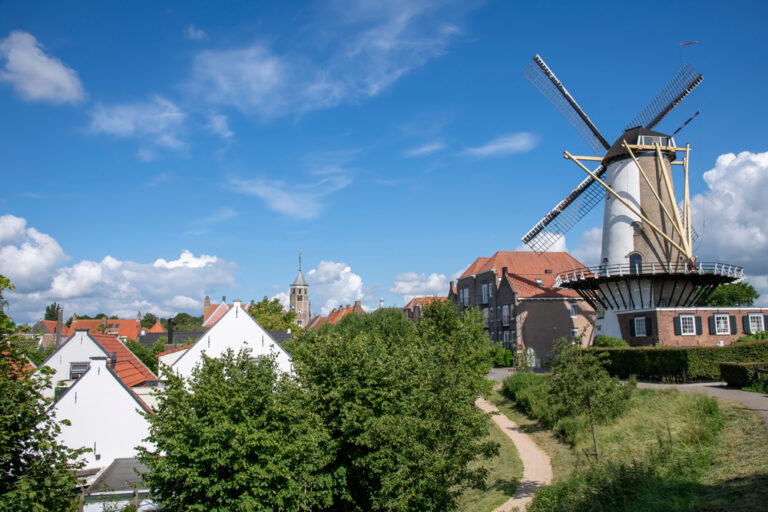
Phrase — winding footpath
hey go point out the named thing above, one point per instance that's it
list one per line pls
(537, 469)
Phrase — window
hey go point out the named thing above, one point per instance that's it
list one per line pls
(498, 313)
(722, 324)
(755, 323)
(640, 326)
(539, 282)
(574, 333)
(492, 311)
(687, 325)
(76, 370)
(574, 310)
(505, 314)
(485, 314)
(635, 264)
(506, 339)
(490, 289)
(485, 293)
(466, 296)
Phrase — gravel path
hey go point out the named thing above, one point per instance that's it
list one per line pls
(537, 470)
(758, 402)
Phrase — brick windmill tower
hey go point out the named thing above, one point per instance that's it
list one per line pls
(647, 260)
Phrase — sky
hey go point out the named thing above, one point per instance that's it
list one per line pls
(156, 152)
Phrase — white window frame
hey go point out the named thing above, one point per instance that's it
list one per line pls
(505, 315)
(683, 330)
(759, 317)
(640, 326)
(485, 293)
(490, 290)
(574, 333)
(492, 311)
(485, 314)
(506, 338)
(574, 309)
(718, 330)
(81, 366)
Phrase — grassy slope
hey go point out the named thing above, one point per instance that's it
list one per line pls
(504, 473)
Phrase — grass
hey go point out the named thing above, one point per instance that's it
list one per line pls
(505, 472)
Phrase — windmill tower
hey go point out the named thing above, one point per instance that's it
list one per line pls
(647, 259)
(299, 300)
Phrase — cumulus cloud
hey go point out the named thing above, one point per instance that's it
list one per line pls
(164, 287)
(731, 217)
(521, 142)
(157, 122)
(333, 284)
(297, 200)
(35, 75)
(425, 149)
(411, 284)
(362, 49)
(195, 33)
(27, 257)
(284, 299)
(590, 247)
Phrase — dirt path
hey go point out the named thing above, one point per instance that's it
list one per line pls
(537, 469)
(758, 402)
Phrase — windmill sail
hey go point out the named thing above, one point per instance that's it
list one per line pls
(539, 74)
(681, 85)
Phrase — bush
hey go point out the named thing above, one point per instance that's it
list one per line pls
(609, 341)
(740, 375)
(680, 364)
(502, 357)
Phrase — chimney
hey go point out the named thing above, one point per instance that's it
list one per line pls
(207, 302)
(357, 305)
(113, 362)
(59, 326)
(504, 271)
(236, 303)
(138, 316)
(223, 299)
(170, 331)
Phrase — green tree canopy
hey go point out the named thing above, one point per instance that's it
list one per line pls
(184, 322)
(398, 401)
(237, 436)
(148, 320)
(52, 311)
(36, 472)
(733, 295)
(271, 316)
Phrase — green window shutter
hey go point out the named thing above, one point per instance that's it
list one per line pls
(734, 328)
(648, 325)
(745, 323)
(632, 327)
(678, 328)
(711, 320)
(699, 329)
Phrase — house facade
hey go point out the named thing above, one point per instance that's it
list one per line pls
(416, 305)
(515, 292)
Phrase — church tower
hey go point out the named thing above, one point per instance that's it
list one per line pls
(300, 298)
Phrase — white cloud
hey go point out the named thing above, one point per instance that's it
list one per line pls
(411, 284)
(195, 33)
(158, 122)
(218, 124)
(110, 285)
(284, 299)
(360, 51)
(300, 201)
(731, 217)
(333, 284)
(590, 247)
(35, 75)
(426, 149)
(521, 142)
(27, 257)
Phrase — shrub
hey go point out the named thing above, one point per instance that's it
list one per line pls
(502, 357)
(680, 364)
(529, 393)
(740, 375)
(609, 341)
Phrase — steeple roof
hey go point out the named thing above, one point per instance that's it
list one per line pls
(299, 281)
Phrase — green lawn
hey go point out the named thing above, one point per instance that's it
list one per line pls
(505, 471)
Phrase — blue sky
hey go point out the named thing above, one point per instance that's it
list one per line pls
(392, 143)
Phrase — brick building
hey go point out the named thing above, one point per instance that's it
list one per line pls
(515, 292)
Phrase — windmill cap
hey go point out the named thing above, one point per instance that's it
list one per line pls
(631, 136)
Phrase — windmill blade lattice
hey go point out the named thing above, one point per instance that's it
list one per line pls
(539, 74)
(673, 93)
(566, 214)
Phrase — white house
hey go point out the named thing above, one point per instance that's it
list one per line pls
(235, 330)
(73, 358)
(104, 414)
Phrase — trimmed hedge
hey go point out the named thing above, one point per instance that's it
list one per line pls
(740, 375)
(680, 364)
(609, 341)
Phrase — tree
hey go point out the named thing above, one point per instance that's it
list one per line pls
(733, 295)
(184, 322)
(148, 320)
(237, 436)
(271, 316)
(52, 311)
(398, 401)
(580, 384)
(36, 472)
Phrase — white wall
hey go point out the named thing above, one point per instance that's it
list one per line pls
(79, 348)
(235, 330)
(623, 177)
(103, 412)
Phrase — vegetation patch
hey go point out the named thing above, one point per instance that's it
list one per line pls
(741, 375)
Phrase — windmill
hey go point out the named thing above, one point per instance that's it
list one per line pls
(647, 259)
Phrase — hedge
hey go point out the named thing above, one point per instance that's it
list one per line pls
(680, 364)
(740, 375)
(609, 341)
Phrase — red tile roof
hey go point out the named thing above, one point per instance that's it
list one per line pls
(337, 314)
(158, 327)
(128, 328)
(423, 301)
(175, 349)
(216, 314)
(128, 367)
(524, 268)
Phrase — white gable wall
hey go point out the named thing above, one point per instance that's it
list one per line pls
(79, 348)
(102, 411)
(235, 330)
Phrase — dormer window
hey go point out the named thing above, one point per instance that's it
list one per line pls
(539, 282)
(76, 370)
(652, 140)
